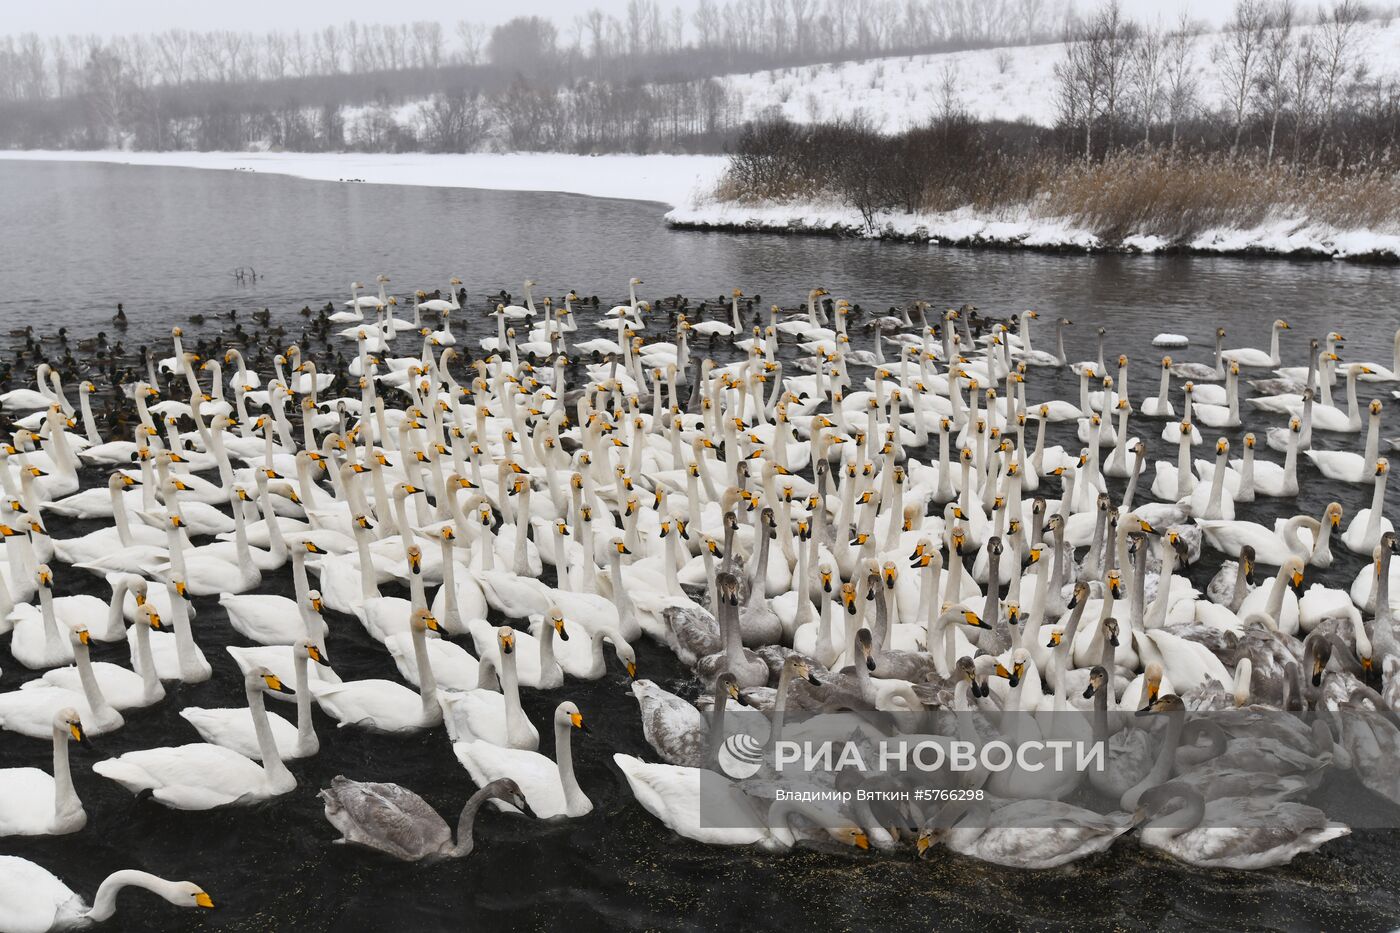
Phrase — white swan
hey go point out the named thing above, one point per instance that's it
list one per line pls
(201, 776)
(237, 728)
(33, 803)
(33, 900)
(383, 705)
(550, 787)
(490, 716)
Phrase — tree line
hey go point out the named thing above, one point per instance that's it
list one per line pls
(1287, 120)
(640, 81)
(1282, 88)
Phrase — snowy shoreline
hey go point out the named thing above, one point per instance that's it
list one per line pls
(1283, 238)
(686, 180)
(668, 179)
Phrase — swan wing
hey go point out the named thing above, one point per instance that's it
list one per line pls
(198, 776)
(537, 776)
(676, 729)
(385, 816)
(26, 802)
(31, 898)
(673, 795)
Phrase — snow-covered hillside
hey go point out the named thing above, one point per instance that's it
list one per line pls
(1014, 84)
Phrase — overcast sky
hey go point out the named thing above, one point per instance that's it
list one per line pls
(118, 16)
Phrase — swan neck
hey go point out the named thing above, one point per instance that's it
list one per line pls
(104, 905)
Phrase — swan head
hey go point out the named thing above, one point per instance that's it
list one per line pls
(1020, 660)
(423, 621)
(185, 894)
(626, 655)
(1281, 325)
(415, 560)
(567, 714)
(66, 721)
(865, 647)
(1110, 631)
(262, 679)
(45, 576)
(306, 650)
(1382, 466)
(146, 612)
(797, 667)
(1166, 703)
(1293, 569)
(555, 617)
(1334, 509)
(313, 598)
(509, 791)
(1098, 677)
(1152, 680)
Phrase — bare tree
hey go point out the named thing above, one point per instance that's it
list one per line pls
(706, 20)
(1272, 85)
(1148, 68)
(1179, 72)
(1237, 54)
(470, 37)
(1302, 80)
(1079, 87)
(1335, 49)
(1116, 37)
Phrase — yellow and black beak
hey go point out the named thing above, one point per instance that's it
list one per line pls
(182, 589)
(317, 655)
(84, 637)
(973, 619)
(507, 643)
(75, 729)
(861, 841)
(1295, 580)
(431, 623)
(577, 720)
(204, 901)
(311, 548)
(276, 685)
(631, 669)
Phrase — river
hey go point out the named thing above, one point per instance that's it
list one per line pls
(78, 238)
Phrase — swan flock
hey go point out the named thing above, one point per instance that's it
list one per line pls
(844, 527)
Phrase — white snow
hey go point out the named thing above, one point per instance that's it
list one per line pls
(1012, 84)
(1024, 227)
(669, 179)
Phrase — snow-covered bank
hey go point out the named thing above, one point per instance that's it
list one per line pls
(669, 179)
(966, 227)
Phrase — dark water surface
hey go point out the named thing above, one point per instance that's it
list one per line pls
(75, 239)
